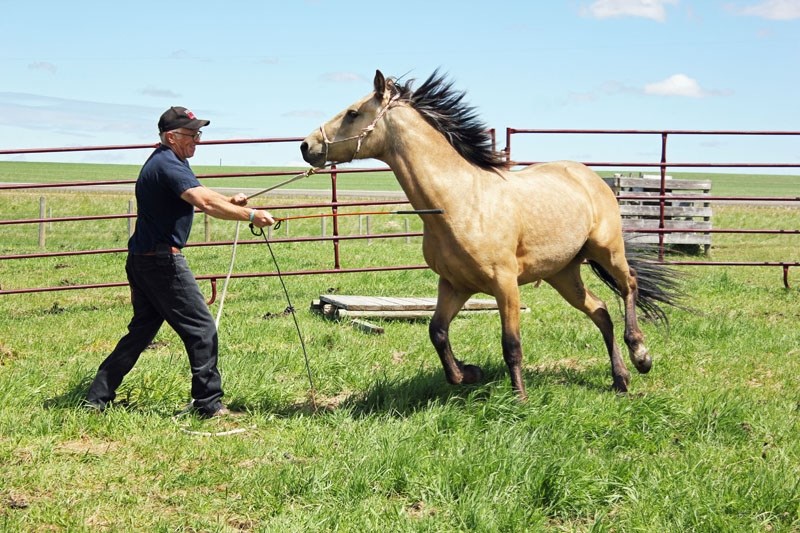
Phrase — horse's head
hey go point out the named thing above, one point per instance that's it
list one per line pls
(355, 132)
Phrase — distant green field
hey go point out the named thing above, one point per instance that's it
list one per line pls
(752, 184)
(28, 172)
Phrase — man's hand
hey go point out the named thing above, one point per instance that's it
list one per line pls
(262, 218)
(239, 199)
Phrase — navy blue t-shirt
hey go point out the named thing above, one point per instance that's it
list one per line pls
(162, 216)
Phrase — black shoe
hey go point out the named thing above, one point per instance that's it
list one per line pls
(223, 411)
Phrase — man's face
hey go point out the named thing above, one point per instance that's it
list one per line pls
(183, 142)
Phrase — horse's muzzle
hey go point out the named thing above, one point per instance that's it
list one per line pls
(311, 157)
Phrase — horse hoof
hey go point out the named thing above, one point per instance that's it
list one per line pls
(644, 365)
(641, 360)
(472, 374)
(620, 385)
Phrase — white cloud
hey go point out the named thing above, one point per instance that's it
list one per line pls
(342, 77)
(581, 98)
(43, 65)
(179, 54)
(676, 85)
(158, 93)
(610, 87)
(77, 118)
(650, 9)
(771, 9)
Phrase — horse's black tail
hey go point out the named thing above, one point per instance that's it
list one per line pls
(658, 283)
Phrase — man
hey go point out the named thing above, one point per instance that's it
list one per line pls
(163, 287)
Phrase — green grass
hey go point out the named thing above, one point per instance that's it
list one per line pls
(739, 184)
(29, 172)
(707, 441)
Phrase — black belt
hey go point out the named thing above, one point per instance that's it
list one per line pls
(172, 250)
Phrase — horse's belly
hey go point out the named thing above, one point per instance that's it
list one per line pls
(469, 272)
(523, 240)
(541, 263)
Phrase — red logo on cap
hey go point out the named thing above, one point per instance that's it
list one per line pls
(190, 114)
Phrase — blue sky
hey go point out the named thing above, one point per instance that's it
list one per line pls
(88, 73)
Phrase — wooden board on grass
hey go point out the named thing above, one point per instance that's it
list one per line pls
(351, 306)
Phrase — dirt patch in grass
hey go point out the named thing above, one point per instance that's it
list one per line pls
(86, 446)
(5, 354)
(331, 403)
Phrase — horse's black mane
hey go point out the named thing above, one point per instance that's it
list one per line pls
(444, 108)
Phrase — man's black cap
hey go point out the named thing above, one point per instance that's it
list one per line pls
(179, 117)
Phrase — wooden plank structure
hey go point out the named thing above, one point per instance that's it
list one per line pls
(692, 215)
(352, 306)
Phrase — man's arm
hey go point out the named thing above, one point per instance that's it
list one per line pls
(218, 205)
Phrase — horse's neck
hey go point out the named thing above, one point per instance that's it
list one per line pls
(430, 171)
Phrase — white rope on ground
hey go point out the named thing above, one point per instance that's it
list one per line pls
(226, 433)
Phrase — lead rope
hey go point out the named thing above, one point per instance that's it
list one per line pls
(228, 277)
(307, 173)
(312, 390)
(359, 138)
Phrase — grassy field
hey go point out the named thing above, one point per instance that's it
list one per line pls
(28, 172)
(707, 441)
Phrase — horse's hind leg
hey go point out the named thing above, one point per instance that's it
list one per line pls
(570, 286)
(612, 260)
(634, 338)
(448, 304)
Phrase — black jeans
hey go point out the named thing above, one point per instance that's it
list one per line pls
(163, 288)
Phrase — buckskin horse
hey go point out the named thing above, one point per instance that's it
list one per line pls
(500, 228)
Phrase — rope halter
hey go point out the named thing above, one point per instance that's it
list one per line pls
(362, 134)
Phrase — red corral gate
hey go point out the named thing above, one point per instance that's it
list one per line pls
(656, 205)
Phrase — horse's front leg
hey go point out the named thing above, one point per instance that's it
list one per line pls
(448, 304)
(508, 302)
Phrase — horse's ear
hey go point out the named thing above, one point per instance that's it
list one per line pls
(380, 83)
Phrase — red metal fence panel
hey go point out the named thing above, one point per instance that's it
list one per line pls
(662, 199)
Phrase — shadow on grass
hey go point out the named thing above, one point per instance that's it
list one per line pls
(424, 389)
(73, 397)
(400, 397)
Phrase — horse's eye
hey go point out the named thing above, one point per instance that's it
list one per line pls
(352, 113)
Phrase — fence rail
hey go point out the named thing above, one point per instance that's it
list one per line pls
(661, 197)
